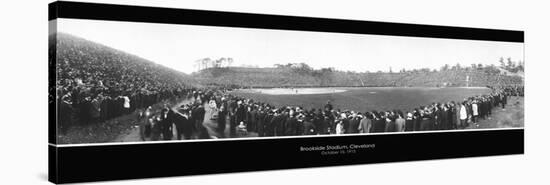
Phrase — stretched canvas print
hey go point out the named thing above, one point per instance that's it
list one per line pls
(151, 92)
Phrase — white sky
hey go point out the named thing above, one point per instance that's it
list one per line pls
(179, 46)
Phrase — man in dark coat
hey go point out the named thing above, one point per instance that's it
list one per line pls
(353, 126)
(390, 123)
(300, 125)
(104, 108)
(426, 121)
(379, 123)
(183, 124)
(451, 118)
(417, 117)
(268, 123)
(222, 117)
(438, 124)
(251, 119)
(291, 124)
(260, 122)
(166, 124)
(232, 118)
(240, 113)
(444, 118)
(321, 127)
(278, 123)
(309, 127)
(328, 106)
(65, 114)
(156, 129)
(198, 116)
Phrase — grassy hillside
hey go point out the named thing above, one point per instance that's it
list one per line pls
(286, 76)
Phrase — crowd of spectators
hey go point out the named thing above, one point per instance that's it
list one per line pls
(96, 83)
(268, 120)
(246, 115)
(286, 77)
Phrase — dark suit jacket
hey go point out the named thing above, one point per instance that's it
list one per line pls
(166, 127)
(198, 114)
(291, 126)
(379, 125)
(353, 126)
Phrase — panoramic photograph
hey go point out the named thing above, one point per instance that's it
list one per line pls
(122, 82)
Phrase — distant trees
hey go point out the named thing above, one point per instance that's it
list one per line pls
(445, 67)
(457, 67)
(501, 61)
(300, 73)
(205, 63)
(512, 66)
(301, 68)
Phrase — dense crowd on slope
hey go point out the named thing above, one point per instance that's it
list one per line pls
(96, 83)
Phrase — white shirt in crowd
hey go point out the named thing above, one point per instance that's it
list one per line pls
(463, 113)
(340, 128)
(474, 109)
(126, 102)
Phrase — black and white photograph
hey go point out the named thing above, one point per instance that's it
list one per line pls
(133, 82)
(274, 92)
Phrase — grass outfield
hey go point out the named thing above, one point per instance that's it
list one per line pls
(363, 99)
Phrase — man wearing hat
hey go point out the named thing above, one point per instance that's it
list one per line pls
(353, 123)
(166, 124)
(222, 118)
(232, 117)
(328, 106)
(184, 126)
(379, 122)
(365, 125)
(198, 116)
(240, 114)
(409, 122)
(278, 122)
(309, 127)
(269, 121)
(65, 113)
(320, 125)
(260, 120)
(291, 124)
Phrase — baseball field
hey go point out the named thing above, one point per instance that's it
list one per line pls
(361, 98)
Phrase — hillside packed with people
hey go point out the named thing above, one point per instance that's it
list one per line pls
(246, 116)
(96, 83)
(302, 75)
